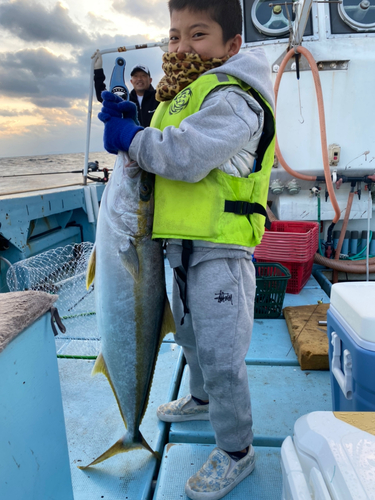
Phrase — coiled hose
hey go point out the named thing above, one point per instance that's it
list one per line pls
(323, 135)
(346, 266)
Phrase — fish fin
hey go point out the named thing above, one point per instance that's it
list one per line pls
(146, 446)
(129, 259)
(111, 452)
(90, 273)
(122, 446)
(168, 324)
(101, 367)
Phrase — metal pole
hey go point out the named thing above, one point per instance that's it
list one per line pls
(88, 124)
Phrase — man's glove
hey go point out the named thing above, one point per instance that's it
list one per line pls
(98, 61)
(114, 106)
(118, 132)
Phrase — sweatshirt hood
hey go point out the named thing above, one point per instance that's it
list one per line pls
(252, 68)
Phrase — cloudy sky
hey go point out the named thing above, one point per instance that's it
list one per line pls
(45, 56)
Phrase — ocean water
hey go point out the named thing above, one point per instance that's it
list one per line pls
(30, 173)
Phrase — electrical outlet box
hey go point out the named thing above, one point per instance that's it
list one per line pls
(334, 151)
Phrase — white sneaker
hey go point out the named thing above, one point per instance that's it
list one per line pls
(219, 475)
(182, 410)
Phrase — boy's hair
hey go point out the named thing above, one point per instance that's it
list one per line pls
(227, 13)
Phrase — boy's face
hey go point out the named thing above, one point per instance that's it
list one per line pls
(198, 33)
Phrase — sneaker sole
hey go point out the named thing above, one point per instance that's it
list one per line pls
(216, 495)
(182, 418)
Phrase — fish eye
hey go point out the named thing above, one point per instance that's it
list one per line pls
(145, 189)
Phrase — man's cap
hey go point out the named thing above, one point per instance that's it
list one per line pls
(140, 67)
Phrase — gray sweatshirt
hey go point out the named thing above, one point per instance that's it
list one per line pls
(205, 140)
(223, 134)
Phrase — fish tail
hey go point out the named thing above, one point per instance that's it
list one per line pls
(90, 273)
(122, 446)
(111, 452)
(146, 446)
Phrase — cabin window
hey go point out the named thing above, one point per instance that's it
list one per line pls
(352, 15)
(269, 19)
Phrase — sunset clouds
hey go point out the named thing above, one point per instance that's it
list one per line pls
(45, 51)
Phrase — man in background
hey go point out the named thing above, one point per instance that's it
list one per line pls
(143, 93)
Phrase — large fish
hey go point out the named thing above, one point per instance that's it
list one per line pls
(132, 307)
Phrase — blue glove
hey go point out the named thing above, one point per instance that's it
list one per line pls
(114, 106)
(118, 132)
(110, 97)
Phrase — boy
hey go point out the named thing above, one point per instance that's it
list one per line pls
(211, 149)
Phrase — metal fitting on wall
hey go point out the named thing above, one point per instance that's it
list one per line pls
(293, 187)
(276, 187)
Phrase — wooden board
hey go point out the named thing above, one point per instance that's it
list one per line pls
(309, 339)
(364, 420)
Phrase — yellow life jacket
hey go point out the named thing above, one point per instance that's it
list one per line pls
(220, 208)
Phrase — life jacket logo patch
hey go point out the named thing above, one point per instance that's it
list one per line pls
(180, 101)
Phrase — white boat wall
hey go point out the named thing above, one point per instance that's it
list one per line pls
(341, 39)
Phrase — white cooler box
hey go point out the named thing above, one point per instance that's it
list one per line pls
(330, 459)
(351, 338)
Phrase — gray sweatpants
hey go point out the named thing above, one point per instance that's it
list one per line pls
(215, 338)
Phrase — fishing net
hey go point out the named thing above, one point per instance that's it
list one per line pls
(62, 271)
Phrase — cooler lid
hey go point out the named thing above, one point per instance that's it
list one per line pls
(354, 301)
(344, 454)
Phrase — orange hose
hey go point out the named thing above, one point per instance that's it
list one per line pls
(342, 234)
(323, 134)
(345, 265)
(270, 214)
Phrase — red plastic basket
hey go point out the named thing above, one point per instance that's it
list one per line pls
(289, 241)
(293, 245)
(300, 273)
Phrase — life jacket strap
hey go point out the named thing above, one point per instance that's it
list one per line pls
(187, 250)
(246, 208)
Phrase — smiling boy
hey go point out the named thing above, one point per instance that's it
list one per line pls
(211, 146)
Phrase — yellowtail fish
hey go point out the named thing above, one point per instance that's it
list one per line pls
(132, 307)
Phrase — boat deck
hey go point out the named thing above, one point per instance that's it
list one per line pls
(281, 393)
